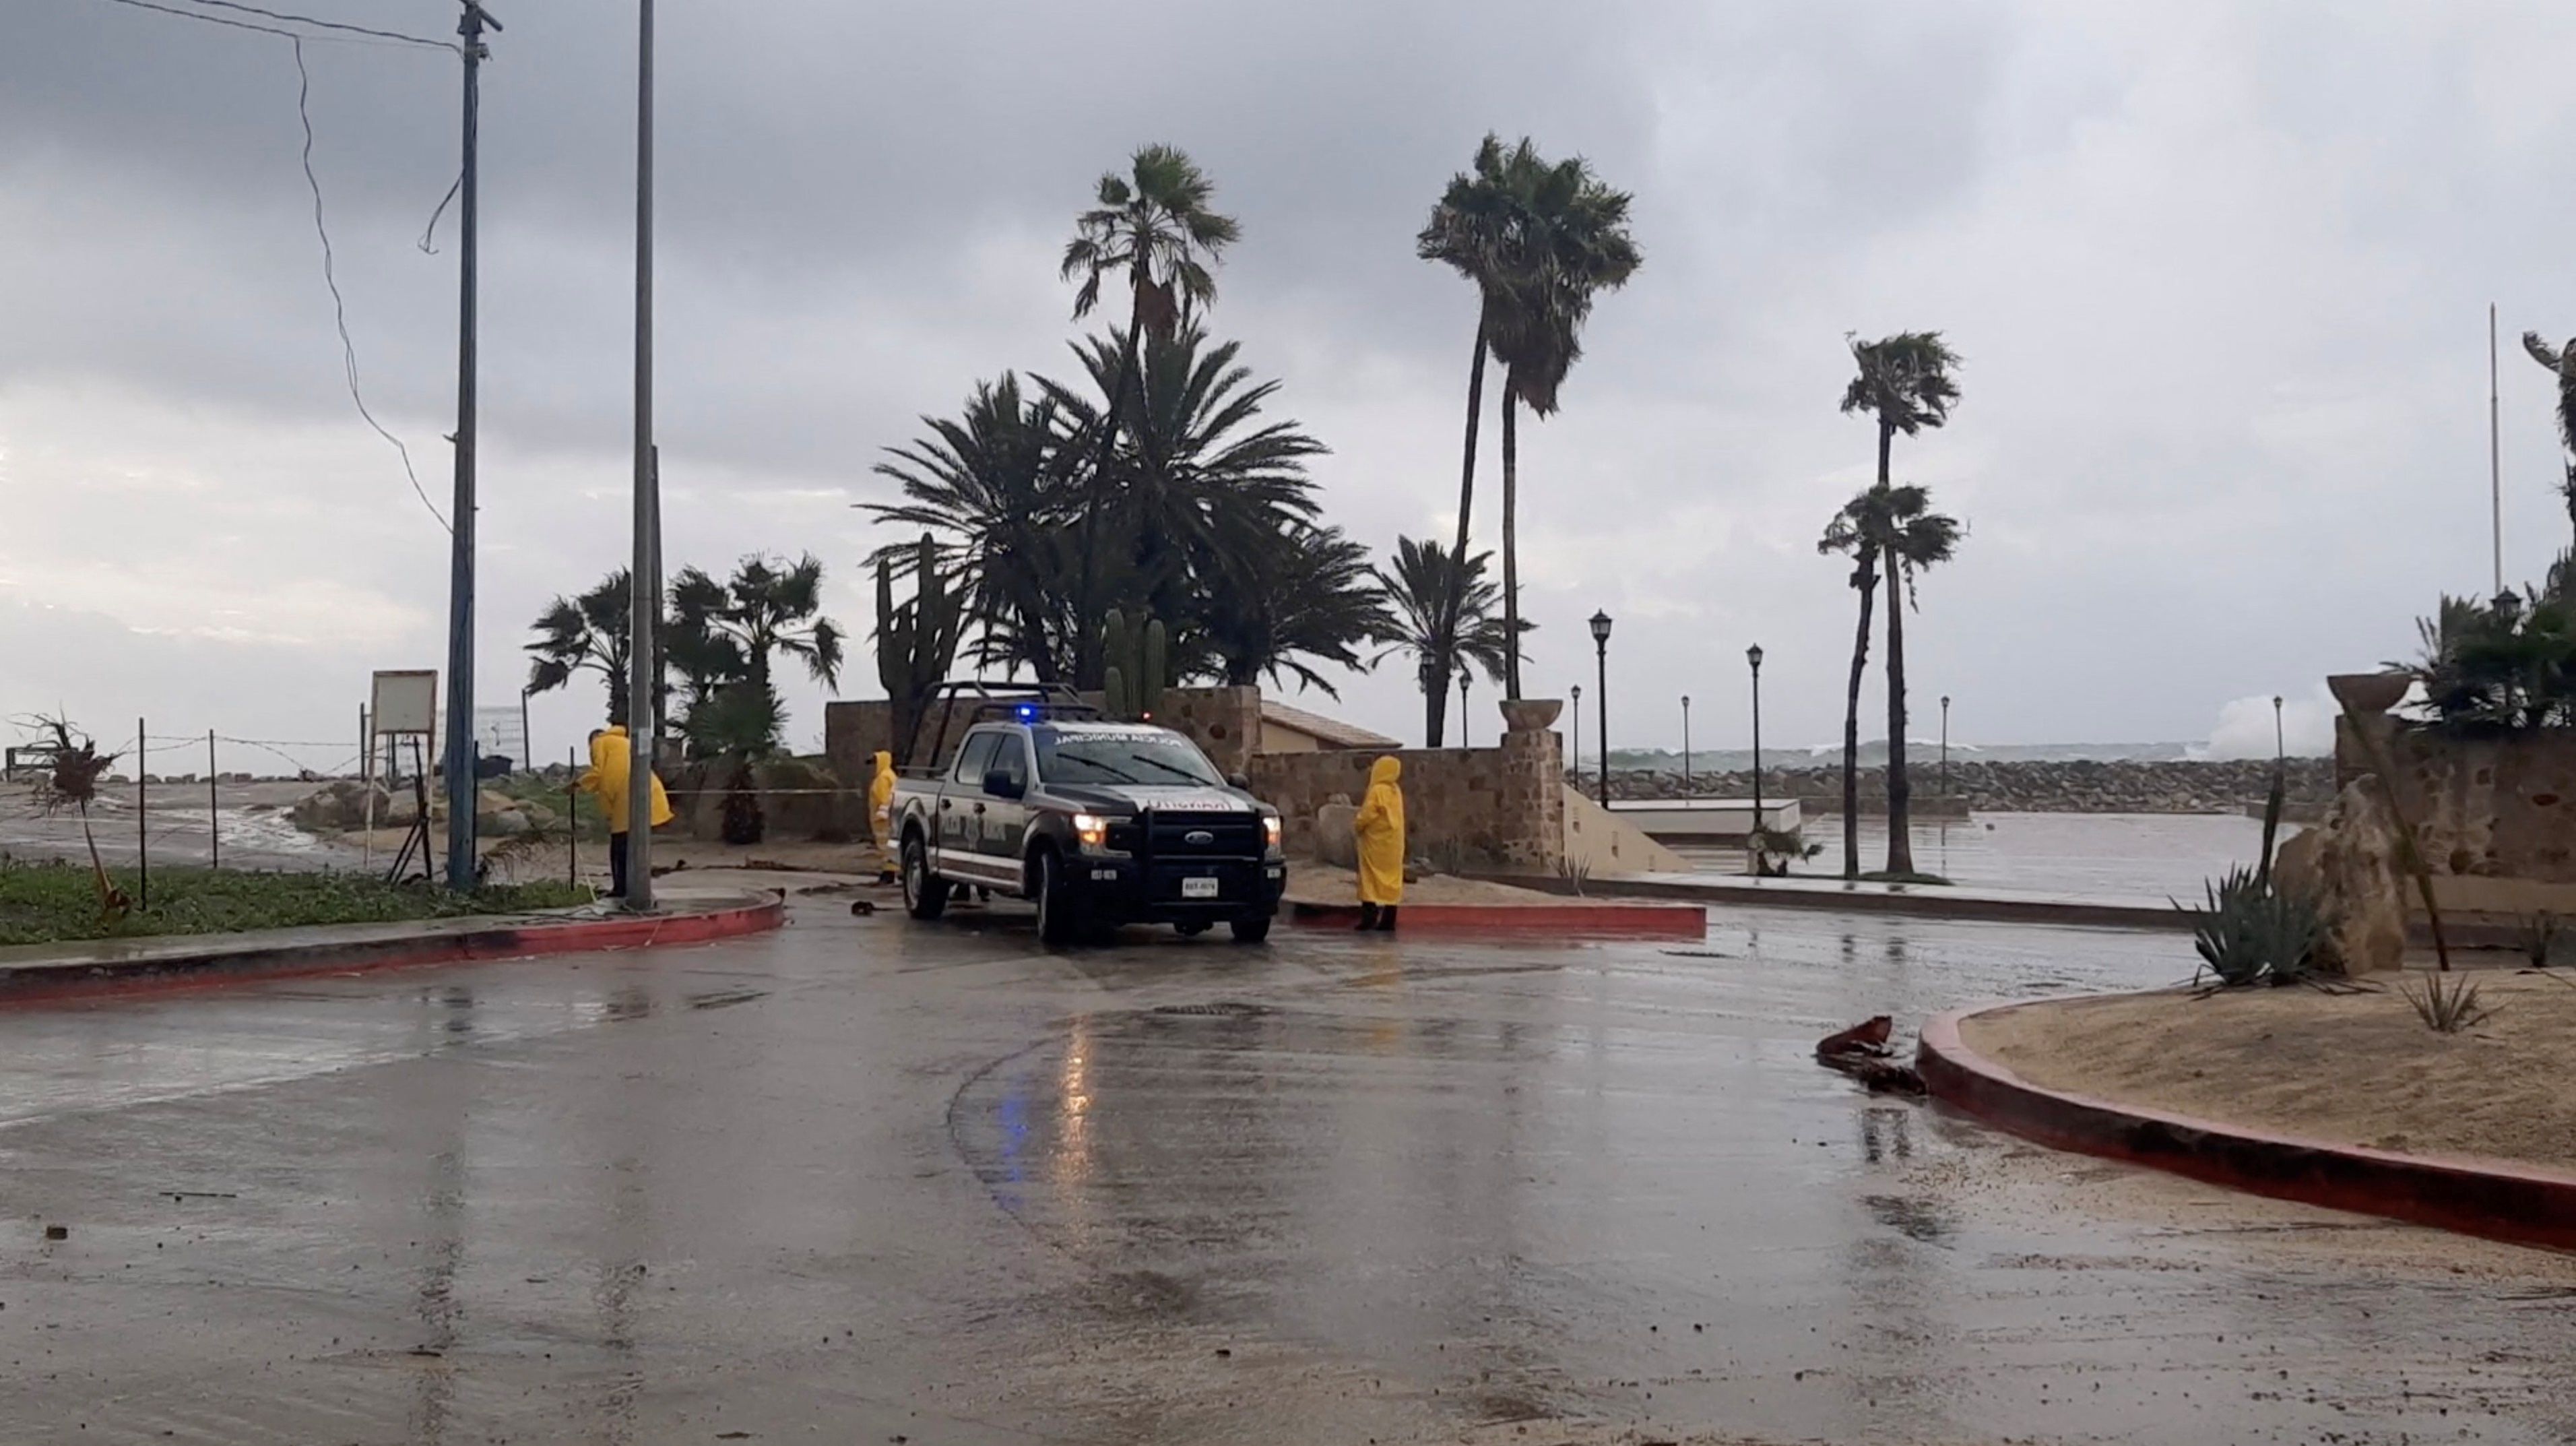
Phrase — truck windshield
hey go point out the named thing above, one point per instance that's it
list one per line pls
(1123, 758)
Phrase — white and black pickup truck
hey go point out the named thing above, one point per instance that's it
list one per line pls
(1097, 823)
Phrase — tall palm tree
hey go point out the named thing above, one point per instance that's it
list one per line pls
(1444, 620)
(1154, 224)
(1904, 383)
(1572, 244)
(588, 633)
(1845, 534)
(1915, 539)
(1470, 231)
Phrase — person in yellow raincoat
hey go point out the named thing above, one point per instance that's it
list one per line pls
(607, 780)
(881, 816)
(1380, 827)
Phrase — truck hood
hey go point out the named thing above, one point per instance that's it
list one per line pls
(1129, 798)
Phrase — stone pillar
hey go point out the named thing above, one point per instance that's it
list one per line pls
(1532, 835)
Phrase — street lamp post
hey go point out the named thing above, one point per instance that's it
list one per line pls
(2280, 740)
(1601, 693)
(1686, 758)
(1945, 745)
(1463, 740)
(1753, 655)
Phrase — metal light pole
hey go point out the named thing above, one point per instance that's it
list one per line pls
(461, 786)
(1463, 740)
(1601, 693)
(2280, 740)
(646, 565)
(1753, 655)
(1686, 758)
(1945, 745)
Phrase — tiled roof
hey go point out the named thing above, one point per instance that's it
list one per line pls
(1329, 731)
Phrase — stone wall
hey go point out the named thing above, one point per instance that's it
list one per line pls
(1225, 722)
(2488, 807)
(1473, 808)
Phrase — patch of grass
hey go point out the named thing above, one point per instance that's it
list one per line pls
(45, 903)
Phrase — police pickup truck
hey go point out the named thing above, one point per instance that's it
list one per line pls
(1097, 823)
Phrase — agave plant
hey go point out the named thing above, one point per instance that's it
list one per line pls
(2249, 934)
(2446, 1008)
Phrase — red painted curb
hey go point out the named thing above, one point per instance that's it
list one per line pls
(2497, 1199)
(33, 984)
(1625, 921)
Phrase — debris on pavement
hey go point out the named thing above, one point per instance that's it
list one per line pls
(1861, 1052)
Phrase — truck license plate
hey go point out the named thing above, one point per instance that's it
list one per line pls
(1198, 888)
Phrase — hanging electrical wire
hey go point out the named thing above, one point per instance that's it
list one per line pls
(304, 115)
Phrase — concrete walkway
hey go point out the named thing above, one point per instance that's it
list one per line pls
(1929, 901)
(52, 971)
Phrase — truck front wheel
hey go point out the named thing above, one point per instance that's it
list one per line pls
(925, 894)
(1060, 915)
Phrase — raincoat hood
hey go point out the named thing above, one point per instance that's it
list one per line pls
(1385, 770)
(885, 763)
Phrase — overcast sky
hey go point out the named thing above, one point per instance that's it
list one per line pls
(2219, 271)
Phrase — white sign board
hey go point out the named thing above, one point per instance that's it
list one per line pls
(405, 702)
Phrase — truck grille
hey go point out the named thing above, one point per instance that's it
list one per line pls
(1205, 835)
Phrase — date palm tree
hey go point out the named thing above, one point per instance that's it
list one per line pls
(1444, 619)
(1469, 231)
(1903, 382)
(1893, 535)
(725, 632)
(1155, 225)
(1286, 599)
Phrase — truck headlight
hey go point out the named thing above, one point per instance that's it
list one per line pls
(1091, 830)
(1270, 826)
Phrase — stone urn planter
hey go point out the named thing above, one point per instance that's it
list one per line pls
(2369, 693)
(1530, 715)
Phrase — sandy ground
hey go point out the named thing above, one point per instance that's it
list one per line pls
(2353, 1068)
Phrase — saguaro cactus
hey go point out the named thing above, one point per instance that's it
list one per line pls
(1138, 650)
(916, 640)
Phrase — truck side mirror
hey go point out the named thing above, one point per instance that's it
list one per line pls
(1239, 781)
(1001, 784)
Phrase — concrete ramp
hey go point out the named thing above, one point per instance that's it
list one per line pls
(1603, 843)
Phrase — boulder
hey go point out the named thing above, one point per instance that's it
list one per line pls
(2350, 866)
(341, 805)
(503, 823)
(1335, 844)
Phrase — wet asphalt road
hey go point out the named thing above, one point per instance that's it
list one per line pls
(871, 1181)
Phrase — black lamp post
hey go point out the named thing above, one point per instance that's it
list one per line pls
(1686, 771)
(1463, 740)
(1945, 745)
(1753, 655)
(1601, 692)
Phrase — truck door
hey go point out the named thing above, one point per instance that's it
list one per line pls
(959, 821)
(1005, 820)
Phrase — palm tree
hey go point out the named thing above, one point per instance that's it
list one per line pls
(1916, 538)
(1844, 534)
(994, 482)
(588, 633)
(1540, 240)
(1904, 383)
(725, 633)
(1444, 619)
(1156, 225)
(1469, 231)
(2562, 362)
(1573, 244)
(1285, 597)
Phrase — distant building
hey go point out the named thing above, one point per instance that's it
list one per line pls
(1294, 730)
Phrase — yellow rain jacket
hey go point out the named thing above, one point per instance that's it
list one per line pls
(1380, 826)
(881, 802)
(608, 775)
